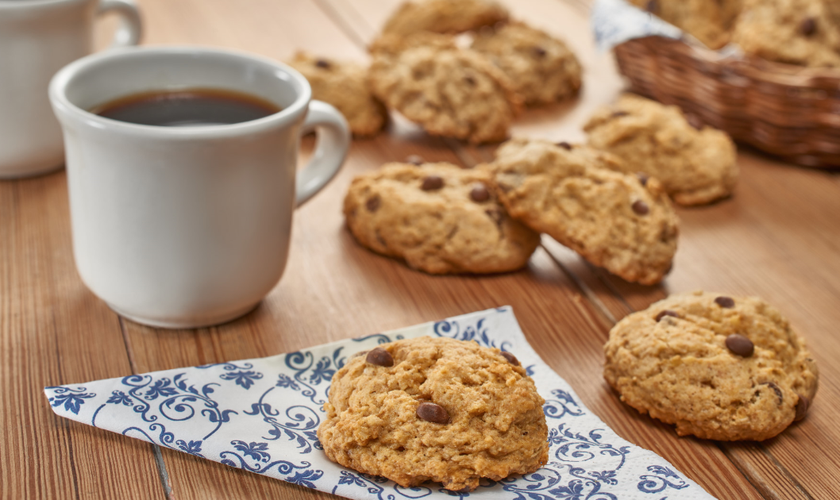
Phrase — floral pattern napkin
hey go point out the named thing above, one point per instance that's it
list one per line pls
(261, 415)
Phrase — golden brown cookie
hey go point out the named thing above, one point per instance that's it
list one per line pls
(708, 21)
(449, 91)
(439, 218)
(435, 409)
(725, 368)
(611, 219)
(344, 85)
(695, 166)
(801, 32)
(444, 16)
(541, 68)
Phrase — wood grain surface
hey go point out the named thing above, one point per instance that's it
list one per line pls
(778, 237)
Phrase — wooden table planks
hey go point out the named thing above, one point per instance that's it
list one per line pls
(779, 237)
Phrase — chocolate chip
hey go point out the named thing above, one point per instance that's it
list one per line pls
(652, 6)
(415, 160)
(725, 302)
(380, 357)
(539, 52)
(432, 183)
(565, 145)
(808, 26)
(470, 80)
(801, 407)
(431, 412)
(373, 203)
(643, 178)
(511, 358)
(322, 63)
(777, 390)
(479, 193)
(740, 345)
(641, 207)
(666, 312)
(619, 114)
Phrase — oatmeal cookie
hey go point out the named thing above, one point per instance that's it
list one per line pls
(801, 32)
(440, 218)
(344, 85)
(725, 368)
(444, 16)
(435, 409)
(572, 193)
(540, 67)
(695, 166)
(449, 91)
(708, 21)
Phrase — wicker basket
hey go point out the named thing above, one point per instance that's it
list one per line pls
(787, 111)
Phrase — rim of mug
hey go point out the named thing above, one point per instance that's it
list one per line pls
(65, 76)
(31, 4)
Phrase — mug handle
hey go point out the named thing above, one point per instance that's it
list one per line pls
(131, 28)
(331, 147)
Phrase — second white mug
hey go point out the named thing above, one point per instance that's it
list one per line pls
(37, 38)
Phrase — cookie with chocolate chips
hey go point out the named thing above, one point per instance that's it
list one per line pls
(439, 218)
(719, 367)
(696, 165)
(541, 68)
(446, 410)
(344, 85)
(801, 32)
(617, 221)
(449, 91)
(444, 16)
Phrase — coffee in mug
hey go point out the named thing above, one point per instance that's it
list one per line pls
(187, 108)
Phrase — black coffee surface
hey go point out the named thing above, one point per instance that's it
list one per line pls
(187, 108)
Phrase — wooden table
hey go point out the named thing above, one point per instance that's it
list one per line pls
(779, 237)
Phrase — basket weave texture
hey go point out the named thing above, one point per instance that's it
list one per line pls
(783, 110)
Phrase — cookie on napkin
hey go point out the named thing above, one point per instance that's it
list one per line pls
(435, 409)
(438, 217)
(719, 367)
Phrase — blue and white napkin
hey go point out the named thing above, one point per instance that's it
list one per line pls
(261, 415)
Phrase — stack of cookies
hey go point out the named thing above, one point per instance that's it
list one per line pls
(800, 32)
(608, 200)
(469, 91)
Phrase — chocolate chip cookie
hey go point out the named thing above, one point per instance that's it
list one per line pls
(620, 222)
(449, 91)
(344, 85)
(708, 21)
(696, 165)
(801, 32)
(435, 409)
(444, 16)
(540, 67)
(719, 367)
(440, 218)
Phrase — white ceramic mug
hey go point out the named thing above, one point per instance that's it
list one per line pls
(37, 38)
(188, 226)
